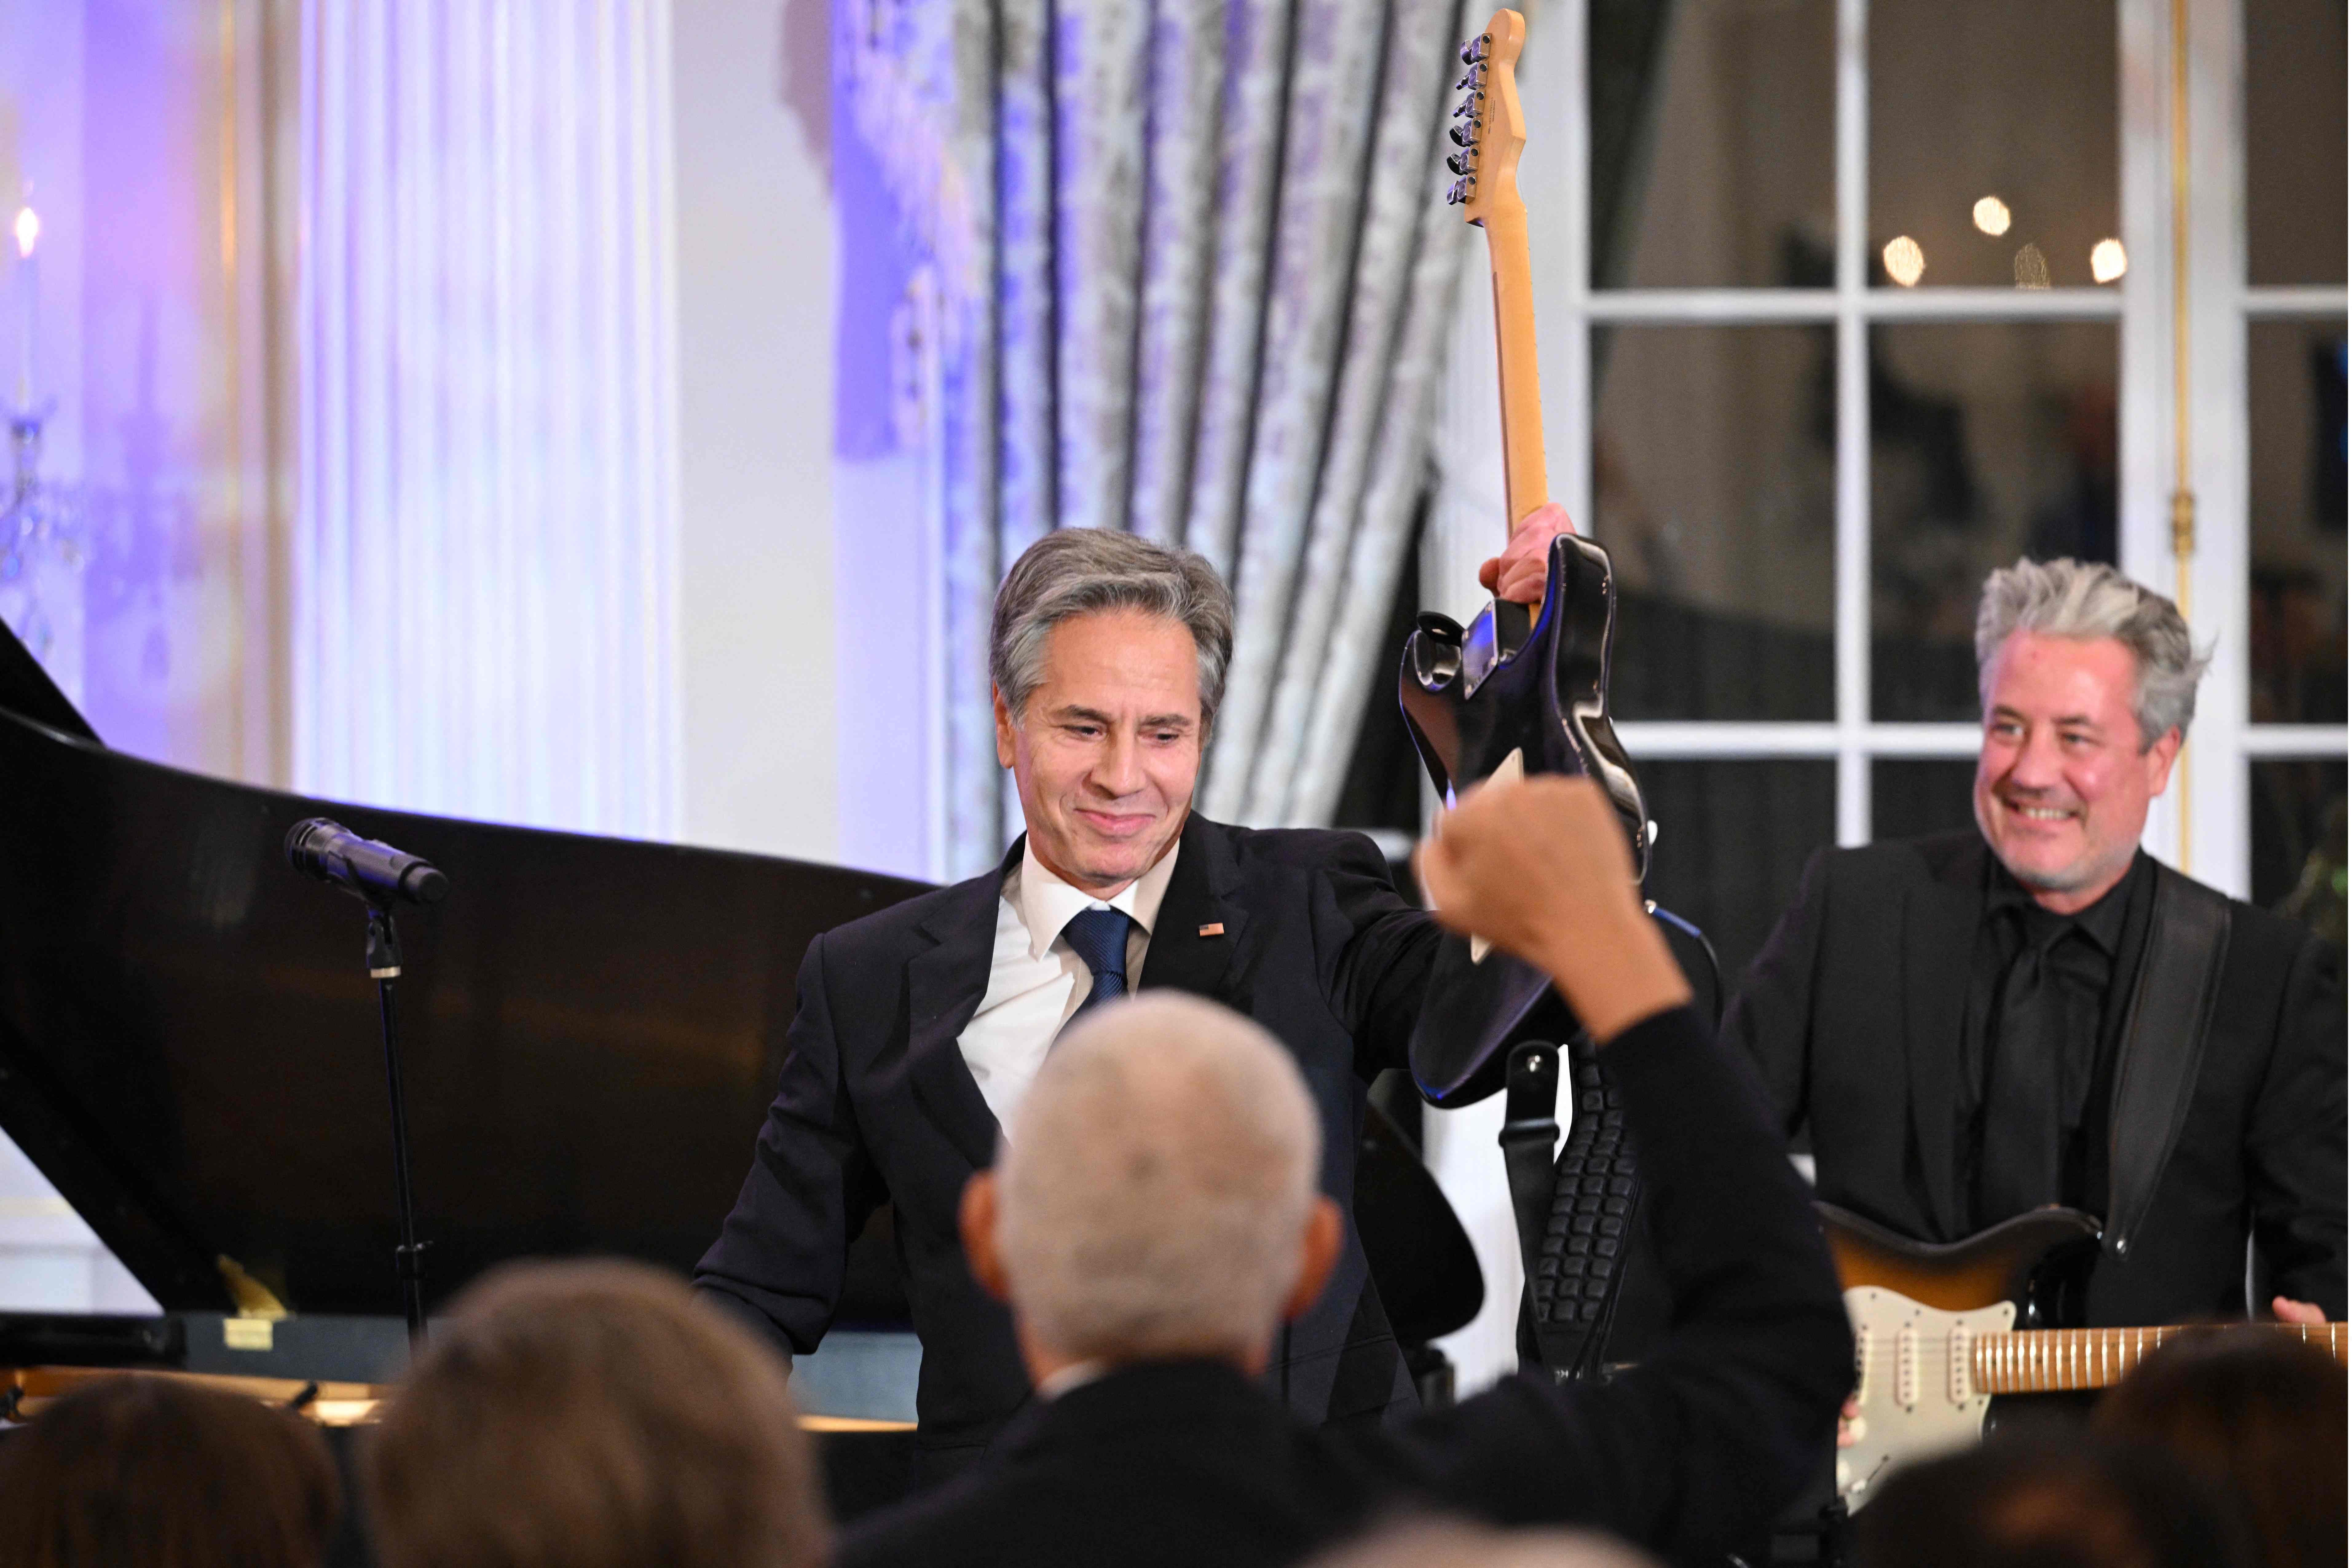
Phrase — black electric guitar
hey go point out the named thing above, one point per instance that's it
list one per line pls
(1939, 1330)
(1501, 697)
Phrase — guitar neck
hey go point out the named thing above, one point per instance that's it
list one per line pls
(2049, 1361)
(1525, 486)
(1488, 193)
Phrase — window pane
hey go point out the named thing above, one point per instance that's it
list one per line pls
(1733, 838)
(2295, 817)
(1911, 795)
(1992, 137)
(1714, 131)
(2295, 460)
(1713, 483)
(1988, 441)
(2294, 141)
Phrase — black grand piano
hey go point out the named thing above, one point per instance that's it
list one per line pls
(591, 1029)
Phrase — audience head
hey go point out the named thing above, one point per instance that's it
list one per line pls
(1155, 1195)
(1455, 1543)
(2044, 1502)
(140, 1471)
(2087, 682)
(591, 1414)
(2260, 1416)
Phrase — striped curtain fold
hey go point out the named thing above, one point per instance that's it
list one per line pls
(1180, 267)
(484, 561)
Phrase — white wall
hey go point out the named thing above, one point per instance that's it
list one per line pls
(755, 269)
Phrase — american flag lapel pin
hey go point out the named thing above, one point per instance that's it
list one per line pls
(1214, 928)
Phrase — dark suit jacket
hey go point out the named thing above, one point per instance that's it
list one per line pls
(876, 1103)
(1853, 1013)
(1187, 1463)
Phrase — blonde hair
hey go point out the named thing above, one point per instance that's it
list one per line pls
(592, 1414)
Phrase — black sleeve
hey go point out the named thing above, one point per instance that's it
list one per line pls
(2294, 1137)
(781, 1255)
(1772, 1018)
(1384, 968)
(1702, 1445)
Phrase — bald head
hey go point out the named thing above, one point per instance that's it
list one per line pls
(1155, 1185)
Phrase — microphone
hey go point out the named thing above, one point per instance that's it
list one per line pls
(373, 872)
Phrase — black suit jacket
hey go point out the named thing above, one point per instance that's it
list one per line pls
(1187, 1463)
(1853, 1013)
(876, 1103)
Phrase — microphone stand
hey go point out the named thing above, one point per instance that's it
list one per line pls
(383, 968)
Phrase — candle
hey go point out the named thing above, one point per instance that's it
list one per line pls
(28, 292)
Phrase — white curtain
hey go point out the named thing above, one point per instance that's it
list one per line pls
(484, 565)
(1180, 267)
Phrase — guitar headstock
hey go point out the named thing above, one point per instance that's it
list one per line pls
(1487, 127)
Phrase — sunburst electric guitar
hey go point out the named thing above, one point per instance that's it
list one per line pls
(1936, 1334)
(1502, 697)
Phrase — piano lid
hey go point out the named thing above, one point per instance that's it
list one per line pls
(592, 1028)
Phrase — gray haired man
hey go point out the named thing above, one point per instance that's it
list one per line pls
(920, 1029)
(1975, 1024)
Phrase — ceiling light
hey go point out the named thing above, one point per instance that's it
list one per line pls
(1992, 215)
(2031, 267)
(2108, 261)
(1906, 262)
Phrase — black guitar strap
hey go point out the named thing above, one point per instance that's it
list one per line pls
(2163, 1045)
(1575, 1216)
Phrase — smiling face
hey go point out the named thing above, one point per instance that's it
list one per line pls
(2062, 782)
(1107, 748)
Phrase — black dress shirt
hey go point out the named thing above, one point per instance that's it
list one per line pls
(2089, 962)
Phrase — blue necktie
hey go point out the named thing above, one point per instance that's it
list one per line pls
(1099, 936)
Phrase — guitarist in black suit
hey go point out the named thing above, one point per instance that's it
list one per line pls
(918, 1028)
(1972, 1026)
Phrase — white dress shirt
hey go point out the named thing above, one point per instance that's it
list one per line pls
(1034, 981)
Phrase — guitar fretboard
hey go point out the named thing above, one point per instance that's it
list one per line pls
(2047, 1361)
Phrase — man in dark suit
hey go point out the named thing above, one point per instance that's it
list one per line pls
(1153, 1216)
(1975, 1024)
(920, 1028)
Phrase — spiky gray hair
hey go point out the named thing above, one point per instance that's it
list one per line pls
(2087, 599)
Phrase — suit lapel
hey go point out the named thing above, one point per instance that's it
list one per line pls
(945, 982)
(1939, 927)
(1200, 927)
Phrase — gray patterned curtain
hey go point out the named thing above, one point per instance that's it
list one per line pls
(1180, 267)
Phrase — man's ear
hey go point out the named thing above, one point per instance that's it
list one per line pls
(1003, 728)
(976, 1218)
(1319, 1254)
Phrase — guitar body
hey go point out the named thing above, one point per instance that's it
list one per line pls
(1918, 1311)
(1940, 1331)
(1477, 707)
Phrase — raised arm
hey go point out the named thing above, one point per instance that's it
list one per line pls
(1701, 1445)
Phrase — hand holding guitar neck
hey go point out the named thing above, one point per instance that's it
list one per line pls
(1517, 575)
(1539, 868)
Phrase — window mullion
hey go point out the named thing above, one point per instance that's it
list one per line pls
(1852, 583)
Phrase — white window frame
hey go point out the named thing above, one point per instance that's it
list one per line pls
(1556, 177)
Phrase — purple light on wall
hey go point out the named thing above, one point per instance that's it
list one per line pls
(156, 674)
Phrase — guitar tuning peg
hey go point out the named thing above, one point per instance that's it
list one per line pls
(1454, 194)
(1469, 51)
(1467, 106)
(1461, 139)
(1460, 163)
